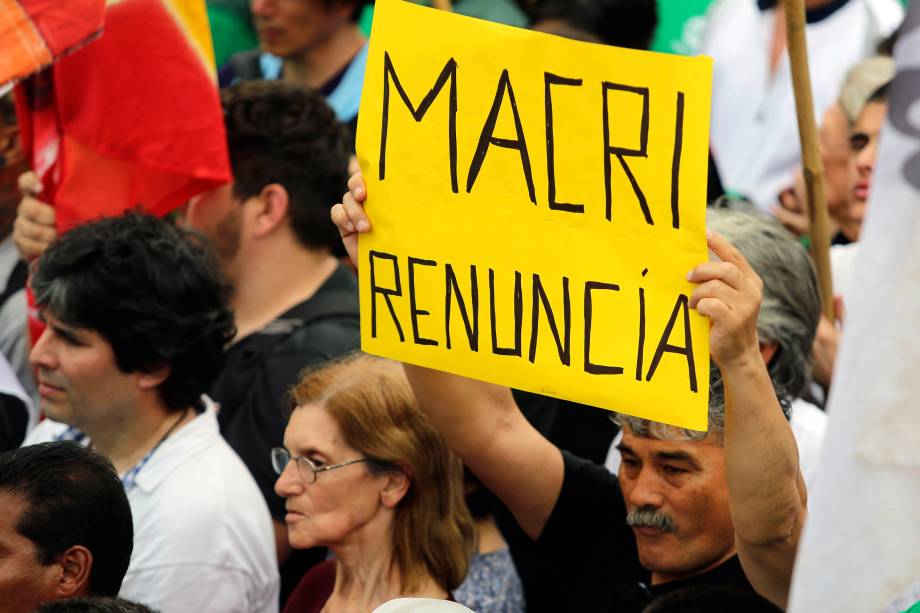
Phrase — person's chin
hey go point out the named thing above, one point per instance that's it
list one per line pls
(654, 547)
(53, 410)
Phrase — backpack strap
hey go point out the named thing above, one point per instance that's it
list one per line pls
(330, 304)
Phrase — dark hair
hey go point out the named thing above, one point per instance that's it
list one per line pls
(623, 23)
(7, 109)
(481, 502)
(152, 290)
(74, 497)
(712, 599)
(93, 605)
(881, 94)
(282, 133)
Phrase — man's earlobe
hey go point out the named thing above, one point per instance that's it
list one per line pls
(153, 378)
(275, 201)
(76, 564)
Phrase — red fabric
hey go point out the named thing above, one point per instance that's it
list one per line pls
(314, 589)
(132, 120)
(65, 24)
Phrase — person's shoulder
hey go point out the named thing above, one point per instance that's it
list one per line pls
(203, 472)
(590, 506)
(579, 471)
(313, 590)
(45, 432)
(204, 510)
(421, 605)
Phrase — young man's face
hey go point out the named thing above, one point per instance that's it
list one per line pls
(289, 28)
(79, 382)
(683, 484)
(25, 582)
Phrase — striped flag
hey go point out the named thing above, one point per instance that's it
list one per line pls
(860, 550)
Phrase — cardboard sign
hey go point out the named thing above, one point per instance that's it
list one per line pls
(536, 205)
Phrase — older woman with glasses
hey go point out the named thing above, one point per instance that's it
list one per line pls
(365, 475)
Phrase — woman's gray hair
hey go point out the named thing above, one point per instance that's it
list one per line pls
(789, 312)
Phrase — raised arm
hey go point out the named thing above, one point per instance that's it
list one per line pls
(766, 490)
(480, 421)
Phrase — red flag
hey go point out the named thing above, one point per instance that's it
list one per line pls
(133, 120)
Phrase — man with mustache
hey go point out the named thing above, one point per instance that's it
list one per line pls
(721, 507)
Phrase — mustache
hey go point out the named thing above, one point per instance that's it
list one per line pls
(649, 517)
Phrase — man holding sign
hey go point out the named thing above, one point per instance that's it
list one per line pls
(726, 509)
(558, 180)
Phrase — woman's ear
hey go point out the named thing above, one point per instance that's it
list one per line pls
(394, 489)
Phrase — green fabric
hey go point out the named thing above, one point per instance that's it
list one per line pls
(914, 609)
(367, 17)
(499, 11)
(231, 29)
(679, 25)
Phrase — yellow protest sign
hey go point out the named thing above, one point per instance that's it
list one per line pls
(537, 203)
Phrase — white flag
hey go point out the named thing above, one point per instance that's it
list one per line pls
(861, 547)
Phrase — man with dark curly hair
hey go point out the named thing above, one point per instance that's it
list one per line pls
(137, 321)
(295, 304)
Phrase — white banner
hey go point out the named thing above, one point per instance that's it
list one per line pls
(861, 546)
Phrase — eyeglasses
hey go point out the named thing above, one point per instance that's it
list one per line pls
(305, 468)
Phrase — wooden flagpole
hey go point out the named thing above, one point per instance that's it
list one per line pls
(812, 166)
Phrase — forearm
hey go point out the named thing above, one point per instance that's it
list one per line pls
(484, 427)
(766, 493)
(463, 410)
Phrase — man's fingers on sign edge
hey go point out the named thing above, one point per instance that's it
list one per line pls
(714, 288)
(354, 211)
(725, 271)
(726, 251)
(357, 187)
(713, 308)
(341, 221)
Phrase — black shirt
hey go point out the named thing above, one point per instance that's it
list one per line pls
(251, 390)
(261, 368)
(597, 564)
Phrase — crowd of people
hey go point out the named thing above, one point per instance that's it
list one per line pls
(195, 429)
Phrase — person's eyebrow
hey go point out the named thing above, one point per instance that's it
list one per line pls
(624, 448)
(66, 333)
(678, 456)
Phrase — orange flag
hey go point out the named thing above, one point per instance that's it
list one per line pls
(35, 32)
